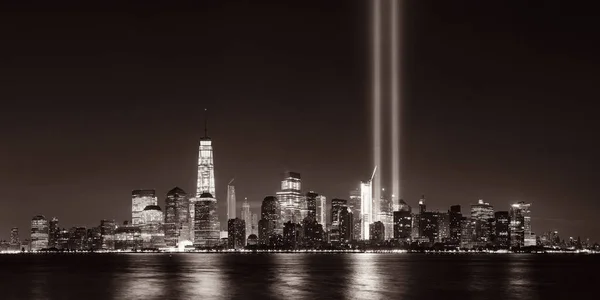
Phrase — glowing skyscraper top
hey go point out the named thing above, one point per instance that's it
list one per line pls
(206, 168)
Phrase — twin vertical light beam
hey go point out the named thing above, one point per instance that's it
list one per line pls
(376, 77)
(394, 99)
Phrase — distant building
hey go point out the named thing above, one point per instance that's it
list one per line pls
(377, 232)
(466, 236)
(107, 233)
(429, 225)
(39, 233)
(292, 235)
(254, 228)
(482, 215)
(386, 216)
(454, 215)
(151, 227)
(311, 205)
(231, 202)
(15, 242)
(443, 227)
(346, 225)
(246, 216)
(337, 205)
(128, 237)
(206, 221)
(177, 217)
(139, 200)
(252, 240)
(270, 222)
(502, 229)
(53, 231)
(236, 233)
(520, 224)
(321, 209)
(354, 204)
(290, 197)
(402, 225)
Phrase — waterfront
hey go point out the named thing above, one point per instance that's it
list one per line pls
(297, 276)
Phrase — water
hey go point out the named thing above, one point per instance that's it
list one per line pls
(297, 276)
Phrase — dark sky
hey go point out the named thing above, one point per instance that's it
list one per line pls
(497, 100)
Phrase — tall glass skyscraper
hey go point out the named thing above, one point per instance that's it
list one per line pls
(290, 198)
(206, 168)
(247, 217)
(231, 201)
(520, 224)
(139, 200)
(366, 207)
(177, 217)
(206, 221)
(321, 210)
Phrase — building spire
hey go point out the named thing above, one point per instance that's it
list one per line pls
(205, 122)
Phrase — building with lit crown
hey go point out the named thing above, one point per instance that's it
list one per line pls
(290, 198)
(520, 224)
(152, 232)
(139, 200)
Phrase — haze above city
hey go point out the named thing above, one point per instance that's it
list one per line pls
(496, 105)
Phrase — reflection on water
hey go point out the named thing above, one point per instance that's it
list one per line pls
(296, 276)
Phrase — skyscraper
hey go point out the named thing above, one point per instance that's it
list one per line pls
(14, 237)
(455, 232)
(236, 234)
(107, 232)
(206, 168)
(321, 210)
(39, 233)
(520, 224)
(354, 204)
(139, 200)
(254, 229)
(366, 205)
(311, 205)
(231, 201)
(53, 231)
(151, 227)
(270, 221)
(502, 229)
(482, 215)
(177, 217)
(206, 221)
(337, 205)
(290, 197)
(247, 217)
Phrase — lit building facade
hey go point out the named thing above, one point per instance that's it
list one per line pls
(206, 221)
(443, 227)
(311, 205)
(254, 228)
(354, 203)
(321, 202)
(206, 167)
(139, 200)
(128, 237)
(337, 206)
(290, 198)
(386, 217)
(247, 216)
(236, 234)
(177, 217)
(107, 232)
(39, 233)
(152, 232)
(520, 224)
(402, 225)
(482, 215)
(14, 236)
(366, 206)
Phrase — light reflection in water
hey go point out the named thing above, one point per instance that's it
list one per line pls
(519, 277)
(365, 279)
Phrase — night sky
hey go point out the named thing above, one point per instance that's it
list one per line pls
(497, 101)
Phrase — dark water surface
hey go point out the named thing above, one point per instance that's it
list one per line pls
(298, 276)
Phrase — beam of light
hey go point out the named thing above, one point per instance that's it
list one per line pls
(395, 99)
(376, 77)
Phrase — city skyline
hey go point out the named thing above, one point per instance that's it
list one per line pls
(498, 113)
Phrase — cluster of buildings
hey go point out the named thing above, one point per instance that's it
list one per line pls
(291, 219)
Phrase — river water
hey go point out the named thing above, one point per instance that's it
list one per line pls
(298, 276)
